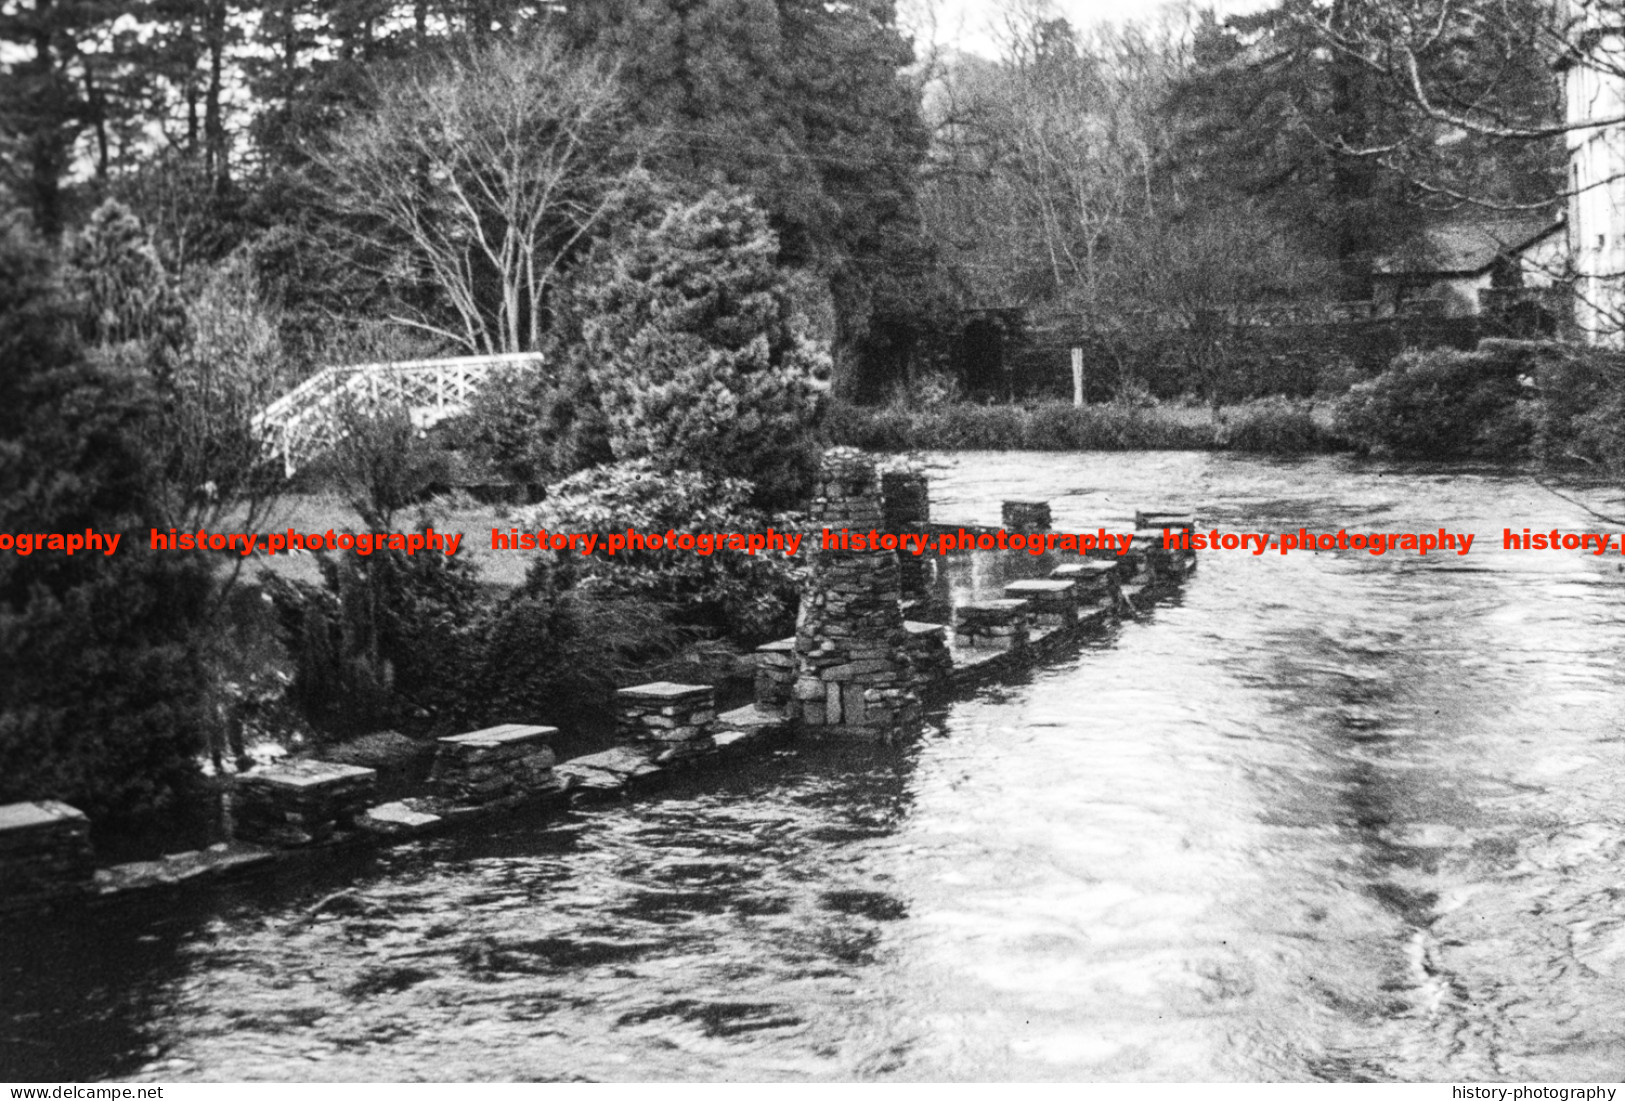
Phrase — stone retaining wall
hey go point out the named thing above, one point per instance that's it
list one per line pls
(44, 852)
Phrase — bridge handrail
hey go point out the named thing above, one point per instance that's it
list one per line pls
(303, 417)
(330, 379)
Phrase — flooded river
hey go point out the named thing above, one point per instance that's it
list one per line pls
(1320, 816)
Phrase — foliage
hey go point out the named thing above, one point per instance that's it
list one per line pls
(1440, 404)
(746, 597)
(103, 701)
(811, 107)
(113, 270)
(1124, 425)
(382, 462)
(1582, 404)
(386, 639)
(419, 644)
(693, 348)
(552, 654)
(229, 367)
(536, 426)
(1275, 426)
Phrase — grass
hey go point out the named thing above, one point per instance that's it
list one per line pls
(1265, 426)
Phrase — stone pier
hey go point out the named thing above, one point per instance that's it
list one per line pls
(300, 802)
(495, 764)
(928, 652)
(992, 625)
(775, 675)
(1161, 564)
(670, 722)
(44, 853)
(1095, 578)
(1052, 603)
(1026, 515)
(905, 496)
(851, 654)
(1179, 521)
(1127, 565)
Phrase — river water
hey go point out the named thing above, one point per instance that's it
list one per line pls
(1320, 816)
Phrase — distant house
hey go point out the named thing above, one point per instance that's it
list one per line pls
(1453, 263)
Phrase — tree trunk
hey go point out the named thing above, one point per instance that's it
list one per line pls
(214, 125)
(852, 301)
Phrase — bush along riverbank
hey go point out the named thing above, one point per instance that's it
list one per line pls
(1505, 401)
(859, 668)
(1278, 426)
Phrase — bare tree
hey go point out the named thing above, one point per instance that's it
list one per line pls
(478, 177)
(1202, 274)
(1044, 156)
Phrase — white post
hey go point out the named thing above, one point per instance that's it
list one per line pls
(1077, 377)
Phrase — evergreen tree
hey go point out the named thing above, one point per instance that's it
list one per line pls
(101, 704)
(807, 106)
(688, 335)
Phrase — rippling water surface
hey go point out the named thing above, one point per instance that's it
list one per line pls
(1321, 816)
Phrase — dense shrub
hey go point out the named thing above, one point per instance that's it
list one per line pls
(382, 463)
(386, 639)
(535, 426)
(1275, 426)
(748, 598)
(1045, 426)
(102, 700)
(695, 353)
(1442, 404)
(555, 654)
(419, 644)
(1582, 405)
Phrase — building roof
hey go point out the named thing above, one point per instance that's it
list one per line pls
(1465, 247)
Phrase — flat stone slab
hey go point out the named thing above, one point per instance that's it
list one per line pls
(778, 646)
(609, 773)
(43, 813)
(177, 868)
(621, 761)
(506, 735)
(734, 739)
(974, 659)
(749, 717)
(303, 775)
(1039, 588)
(1006, 605)
(916, 627)
(397, 817)
(1080, 571)
(664, 692)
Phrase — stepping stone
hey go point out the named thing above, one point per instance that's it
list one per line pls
(398, 818)
(1053, 603)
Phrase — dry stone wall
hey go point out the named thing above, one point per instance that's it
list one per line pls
(852, 670)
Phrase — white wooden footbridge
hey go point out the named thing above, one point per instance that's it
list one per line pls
(308, 419)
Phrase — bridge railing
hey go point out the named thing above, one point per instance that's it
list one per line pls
(306, 420)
